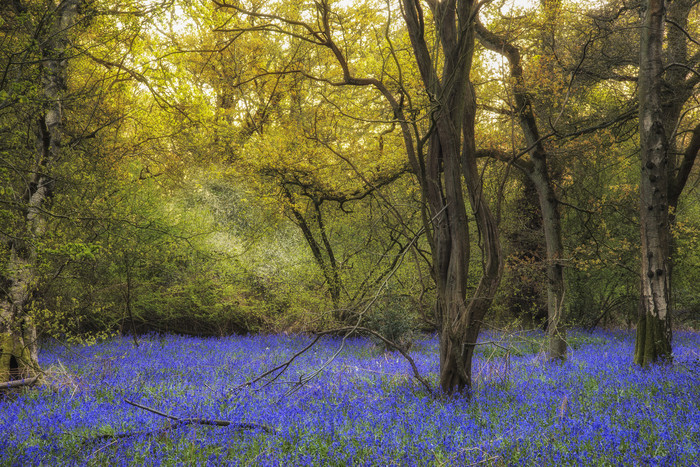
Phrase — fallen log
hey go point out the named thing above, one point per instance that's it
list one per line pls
(19, 383)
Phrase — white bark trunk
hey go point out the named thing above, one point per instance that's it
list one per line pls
(18, 334)
(654, 327)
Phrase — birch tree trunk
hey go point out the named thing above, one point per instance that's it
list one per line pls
(654, 327)
(665, 89)
(18, 335)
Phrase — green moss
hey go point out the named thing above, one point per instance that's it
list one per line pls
(10, 347)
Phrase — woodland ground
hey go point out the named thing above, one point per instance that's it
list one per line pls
(362, 409)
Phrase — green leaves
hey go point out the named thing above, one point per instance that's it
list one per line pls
(76, 251)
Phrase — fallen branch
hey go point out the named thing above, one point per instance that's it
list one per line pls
(402, 351)
(279, 369)
(176, 423)
(19, 383)
(202, 421)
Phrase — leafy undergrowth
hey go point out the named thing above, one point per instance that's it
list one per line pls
(363, 408)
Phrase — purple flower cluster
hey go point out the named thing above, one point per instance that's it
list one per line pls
(362, 409)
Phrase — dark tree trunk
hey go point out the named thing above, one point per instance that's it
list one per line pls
(654, 327)
(451, 157)
(326, 263)
(537, 169)
(526, 298)
(479, 304)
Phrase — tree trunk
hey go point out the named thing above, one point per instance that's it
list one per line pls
(18, 335)
(452, 157)
(537, 169)
(556, 290)
(480, 303)
(653, 342)
(329, 269)
(18, 349)
(526, 299)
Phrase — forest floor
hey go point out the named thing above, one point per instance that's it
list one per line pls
(360, 408)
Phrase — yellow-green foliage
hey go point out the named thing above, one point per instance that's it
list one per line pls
(62, 321)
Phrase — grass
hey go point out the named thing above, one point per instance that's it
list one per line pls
(363, 409)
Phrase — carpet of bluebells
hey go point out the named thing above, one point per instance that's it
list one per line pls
(362, 408)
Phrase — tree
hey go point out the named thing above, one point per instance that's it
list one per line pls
(664, 88)
(52, 29)
(537, 169)
(296, 154)
(451, 155)
(58, 100)
(579, 111)
(654, 327)
(442, 154)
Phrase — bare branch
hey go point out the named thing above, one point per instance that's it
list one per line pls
(403, 352)
(203, 421)
(683, 65)
(503, 156)
(682, 29)
(318, 35)
(681, 178)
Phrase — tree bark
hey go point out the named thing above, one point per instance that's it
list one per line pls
(451, 156)
(538, 172)
(18, 334)
(556, 287)
(653, 342)
(526, 299)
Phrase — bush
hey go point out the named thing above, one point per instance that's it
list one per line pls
(393, 318)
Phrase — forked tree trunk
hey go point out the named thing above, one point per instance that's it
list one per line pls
(442, 173)
(18, 335)
(451, 159)
(654, 327)
(329, 268)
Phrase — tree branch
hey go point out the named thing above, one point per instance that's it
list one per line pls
(682, 29)
(503, 156)
(681, 178)
(203, 421)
